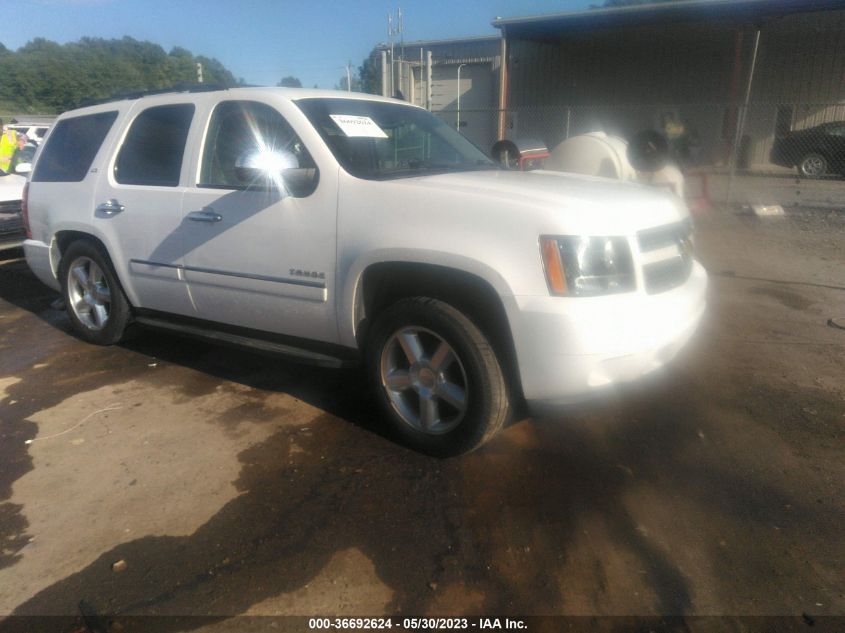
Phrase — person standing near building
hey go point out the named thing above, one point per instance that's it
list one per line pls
(23, 153)
(8, 145)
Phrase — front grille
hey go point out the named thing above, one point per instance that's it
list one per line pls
(666, 253)
(10, 206)
(11, 222)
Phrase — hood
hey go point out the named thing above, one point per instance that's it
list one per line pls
(602, 203)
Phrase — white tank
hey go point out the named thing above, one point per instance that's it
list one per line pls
(600, 154)
(592, 154)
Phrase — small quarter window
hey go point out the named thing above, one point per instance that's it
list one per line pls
(154, 146)
(74, 143)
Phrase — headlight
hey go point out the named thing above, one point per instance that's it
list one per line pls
(587, 266)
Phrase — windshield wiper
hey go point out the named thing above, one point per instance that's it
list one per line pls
(417, 167)
(427, 164)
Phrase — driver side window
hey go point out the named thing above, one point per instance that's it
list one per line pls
(238, 128)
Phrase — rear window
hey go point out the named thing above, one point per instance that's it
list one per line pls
(74, 143)
(154, 146)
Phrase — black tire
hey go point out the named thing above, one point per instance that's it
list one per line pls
(486, 399)
(104, 290)
(813, 165)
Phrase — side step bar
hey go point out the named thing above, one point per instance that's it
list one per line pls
(277, 349)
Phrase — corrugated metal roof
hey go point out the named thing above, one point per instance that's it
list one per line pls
(456, 40)
(657, 13)
(474, 39)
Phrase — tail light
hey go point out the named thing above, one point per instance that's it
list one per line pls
(25, 210)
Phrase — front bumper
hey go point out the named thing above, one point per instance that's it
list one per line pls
(570, 349)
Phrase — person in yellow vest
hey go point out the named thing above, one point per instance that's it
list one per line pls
(23, 153)
(8, 145)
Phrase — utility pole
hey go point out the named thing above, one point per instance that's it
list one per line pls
(390, 39)
(348, 77)
(392, 32)
(385, 87)
(401, 31)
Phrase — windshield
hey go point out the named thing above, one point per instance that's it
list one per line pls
(378, 140)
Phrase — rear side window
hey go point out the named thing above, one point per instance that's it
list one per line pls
(74, 143)
(154, 146)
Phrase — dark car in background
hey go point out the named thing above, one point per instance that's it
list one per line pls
(815, 151)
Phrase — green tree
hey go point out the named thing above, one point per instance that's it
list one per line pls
(369, 73)
(290, 82)
(43, 76)
(215, 73)
(342, 83)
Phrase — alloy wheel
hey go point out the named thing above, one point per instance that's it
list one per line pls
(89, 293)
(424, 380)
(813, 166)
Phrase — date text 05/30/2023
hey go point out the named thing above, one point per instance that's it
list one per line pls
(413, 624)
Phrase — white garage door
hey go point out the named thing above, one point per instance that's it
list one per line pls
(477, 113)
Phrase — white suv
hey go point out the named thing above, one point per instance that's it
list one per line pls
(339, 228)
(34, 132)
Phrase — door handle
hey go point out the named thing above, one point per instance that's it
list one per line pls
(110, 207)
(206, 215)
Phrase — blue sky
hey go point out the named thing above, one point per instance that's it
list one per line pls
(265, 40)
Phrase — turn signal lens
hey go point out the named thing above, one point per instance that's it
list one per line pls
(554, 268)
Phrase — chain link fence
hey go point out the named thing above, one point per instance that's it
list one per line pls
(759, 157)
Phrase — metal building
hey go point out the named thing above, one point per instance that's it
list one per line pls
(733, 74)
(456, 78)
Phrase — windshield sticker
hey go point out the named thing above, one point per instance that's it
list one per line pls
(360, 126)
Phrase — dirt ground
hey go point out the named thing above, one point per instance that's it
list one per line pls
(229, 483)
(783, 188)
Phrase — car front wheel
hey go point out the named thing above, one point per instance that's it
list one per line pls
(98, 310)
(437, 378)
(813, 165)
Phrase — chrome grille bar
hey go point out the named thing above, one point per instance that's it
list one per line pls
(666, 256)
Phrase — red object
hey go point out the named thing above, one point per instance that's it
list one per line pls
(25, 210)
(529, 157)
(700, 202)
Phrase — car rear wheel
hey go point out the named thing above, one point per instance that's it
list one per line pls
(813, 165)
(96, 305)
(436, 377)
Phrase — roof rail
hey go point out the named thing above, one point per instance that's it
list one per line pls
(138, 94)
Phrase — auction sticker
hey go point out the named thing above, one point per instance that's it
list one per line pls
(353, 125)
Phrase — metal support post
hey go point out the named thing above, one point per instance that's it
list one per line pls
(458, 120)
(428, 64)
(740, 123)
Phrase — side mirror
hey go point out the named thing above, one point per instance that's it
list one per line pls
(23, 168)
(261, 165)
(268, 168)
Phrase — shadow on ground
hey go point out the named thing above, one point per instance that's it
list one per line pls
(495, 527)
